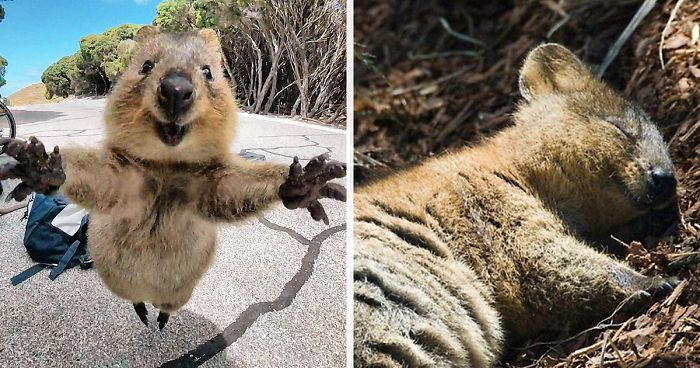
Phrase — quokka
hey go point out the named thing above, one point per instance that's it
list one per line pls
(483, 246)
(164, 176)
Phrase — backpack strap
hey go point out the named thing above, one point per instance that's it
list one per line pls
(85, 260)
(26, 274)
(64, 260)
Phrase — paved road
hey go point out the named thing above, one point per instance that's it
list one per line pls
(275, 296)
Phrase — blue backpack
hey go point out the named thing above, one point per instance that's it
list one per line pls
(55, 236)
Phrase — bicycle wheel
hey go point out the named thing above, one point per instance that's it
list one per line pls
(7, 122)
(7, 129)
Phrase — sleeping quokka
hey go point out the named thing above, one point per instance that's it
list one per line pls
(481, 247)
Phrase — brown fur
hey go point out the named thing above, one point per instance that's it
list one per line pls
(154, 207)
(486, 242)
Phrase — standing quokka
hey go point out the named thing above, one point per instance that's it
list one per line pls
(164, 176)
(481, 246)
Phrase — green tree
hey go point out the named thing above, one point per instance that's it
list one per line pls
(123, 32)
(114, 67)
(173, 16)
(98, 48)
(205, 13)
(57, 77)
(3, 64)
(102, 58)
(3, 61)
(185, 15)
(96, 51)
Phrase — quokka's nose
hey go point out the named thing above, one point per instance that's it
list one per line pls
(176, 94)
(663, 184)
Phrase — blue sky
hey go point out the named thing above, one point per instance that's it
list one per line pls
(36, 33)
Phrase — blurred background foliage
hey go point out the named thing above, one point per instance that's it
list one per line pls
(283, 56)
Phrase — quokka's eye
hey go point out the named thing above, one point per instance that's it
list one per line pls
(207, 72)
(147, 67)
(619, 124)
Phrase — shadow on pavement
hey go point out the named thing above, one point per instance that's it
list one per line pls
(61, 323)
(30, 116)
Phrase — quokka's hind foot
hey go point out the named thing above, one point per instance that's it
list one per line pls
(141, 311)
(651, 288)
(164, 316)
(162, 319)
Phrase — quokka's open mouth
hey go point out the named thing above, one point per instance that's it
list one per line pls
(170, 133)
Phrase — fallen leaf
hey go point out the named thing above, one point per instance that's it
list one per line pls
(429, 90)
(642, 336)
(694, 71)
(676, 41)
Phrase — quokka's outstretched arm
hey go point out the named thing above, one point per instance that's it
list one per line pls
(95, 180)
(84, 175)
(240, 190)
(244, 188)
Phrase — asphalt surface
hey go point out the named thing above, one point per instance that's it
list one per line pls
(274, 297)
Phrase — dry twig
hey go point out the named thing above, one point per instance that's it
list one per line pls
(665, 32)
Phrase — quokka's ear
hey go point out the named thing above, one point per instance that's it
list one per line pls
(210, 37)
(145, 33)
(552, 68)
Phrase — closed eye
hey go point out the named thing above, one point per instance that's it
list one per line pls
(618, 123)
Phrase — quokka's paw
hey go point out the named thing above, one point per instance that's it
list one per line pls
(305, 186)
(651, 288)
(40, 172)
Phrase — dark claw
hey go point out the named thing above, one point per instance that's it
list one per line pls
(38, 170)
(305, 186)
(14, 148)
(315, 165)
(661, 286)
(295, 170)
(162, 320)
(317, 212)
(333, 191)
(654, 288)
(330, 170)
(637, 302)
(665, 287)
(141, 311)
(7, 171)
(21, 191)
(36, 150)
(335, 170)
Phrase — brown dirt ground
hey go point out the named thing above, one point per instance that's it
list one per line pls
(420, 91)
(31, 95)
